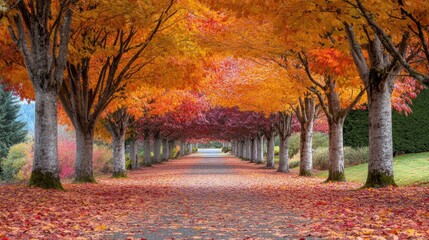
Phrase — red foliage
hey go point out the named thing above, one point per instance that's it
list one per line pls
(214, 198)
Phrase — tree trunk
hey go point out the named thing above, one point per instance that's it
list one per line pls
(172, 149)
(260, 149)
(245, 150)
(133, 154)
(380, 160)
(254, 153)
(306, 149)
(182, 148)
(165, 148)
(336, 151)
(157, 148)
(118, 141)
(84, 149)
(146, 149)
(270, 151)
(44, 173)
(284, 155)
(239, 149)
(249, 149)
(190, 147)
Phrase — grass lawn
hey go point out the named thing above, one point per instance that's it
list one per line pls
(408, 169)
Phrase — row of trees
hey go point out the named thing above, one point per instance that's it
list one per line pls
(109, 65)
(153, 68)
(336, 55)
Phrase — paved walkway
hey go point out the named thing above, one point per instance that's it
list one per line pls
(211, 196)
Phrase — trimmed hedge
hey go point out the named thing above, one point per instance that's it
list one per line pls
(410, 133)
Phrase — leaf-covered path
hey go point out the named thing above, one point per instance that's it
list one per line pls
(213, 195)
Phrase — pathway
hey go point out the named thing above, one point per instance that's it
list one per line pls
(211, 197)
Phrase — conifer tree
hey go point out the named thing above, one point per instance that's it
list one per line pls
(11, 130)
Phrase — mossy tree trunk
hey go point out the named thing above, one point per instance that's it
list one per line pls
(378, 71)
(43, 48)
(380, 160)
(336, 151)
(45, 164)
(84, 150)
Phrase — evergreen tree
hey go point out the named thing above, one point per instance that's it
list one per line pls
(12, 131)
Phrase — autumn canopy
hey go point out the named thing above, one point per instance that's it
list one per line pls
(245, 73)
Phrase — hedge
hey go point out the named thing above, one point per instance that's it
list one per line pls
(410, 133)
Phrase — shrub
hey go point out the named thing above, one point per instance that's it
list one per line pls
(66, 156)
(19, 164)
(355, 156)
(102, 159)
(19, 155)
(128, 162)
(294, 142)
(321, 158)
(319, 140)
(352, 156)
(226, 149)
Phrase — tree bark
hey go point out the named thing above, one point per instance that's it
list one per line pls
(117, 124)
(284, 155)
(146, 148)
(165, 148)
(254, 153)
(306, 149)
(133, 154)
(182, 148)
(157, 148)
(336, 151)
(380, 163)
(305, 113)
(270, 151)
(260, 149)
(245, 149)
(284, 126)
(190, 148)
(44, 53)
(84, 150)
(240, 149)
(118, 141)
(379, 78)
(44, 173)
(249, 149)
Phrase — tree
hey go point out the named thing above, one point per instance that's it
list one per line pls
(410, 21)
(334, 81)
(41, 29)
(108, 53)
(306, 112)
(11, 130)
